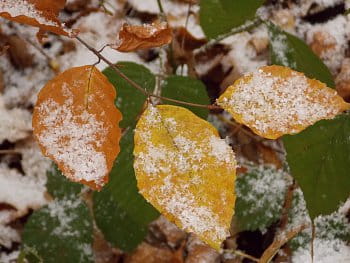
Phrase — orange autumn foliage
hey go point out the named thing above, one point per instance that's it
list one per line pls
(38, 13)
(75, 123)
(133, 38)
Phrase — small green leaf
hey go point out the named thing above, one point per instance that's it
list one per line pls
(61, 232)
(129, 100)
(188, 90)
(260, 198)
(218, 17)
(120, 211)
(59, 186)
(290, 51)
(319, 159)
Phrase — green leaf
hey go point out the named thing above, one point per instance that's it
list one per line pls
(59, 186)
(129, 100)
(61, 232)
(188, 90)
(260, 197)
(120, 211)
(319, 160)
(290, 51)
(218, 17)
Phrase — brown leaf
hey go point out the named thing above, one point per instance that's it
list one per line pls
(18, 52)
(150, 254)
(133, 38)
(272, 250)
(75, 122)
(38, 13)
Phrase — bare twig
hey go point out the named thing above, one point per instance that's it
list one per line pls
(245, 27)
(244, 255)
(137, 86)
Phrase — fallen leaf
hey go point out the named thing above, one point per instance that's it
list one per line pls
(133, 38)
(277, 100)
(76, 124)
(272, 250)
(186, 171)
(38, 13)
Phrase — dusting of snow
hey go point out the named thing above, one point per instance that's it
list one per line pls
(72, 137)
(325, 251)
(58, 209)
(29, 191)
(272, 103)
(15, 123)
(25, 8)
(191, 157)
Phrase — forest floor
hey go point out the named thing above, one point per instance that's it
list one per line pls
(27, 65)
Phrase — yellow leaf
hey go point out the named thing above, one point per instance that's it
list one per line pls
(276, 100)
(75, 123)
(186, 171)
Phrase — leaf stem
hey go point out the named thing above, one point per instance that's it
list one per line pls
(137, 86)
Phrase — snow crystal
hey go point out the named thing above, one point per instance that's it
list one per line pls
(71, 138)
(270, 103)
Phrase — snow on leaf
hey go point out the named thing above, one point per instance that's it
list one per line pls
(38, 13)
(76, 124)
(276, 100)
(186, 171)
(133, 38)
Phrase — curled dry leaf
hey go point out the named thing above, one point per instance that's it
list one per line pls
(133, 38)
(76, 124)
(186, 171)
(39, 13)
(276, 100)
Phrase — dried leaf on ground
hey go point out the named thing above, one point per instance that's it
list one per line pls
(178, 159)
(39, 13)
(76, 124)
(133, 38)
(276, 100)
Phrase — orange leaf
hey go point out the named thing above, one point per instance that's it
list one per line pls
(37, 13)
(76, 124)
(277, 100)
(133, 38)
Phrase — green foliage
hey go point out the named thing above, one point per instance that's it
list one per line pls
(189, 90)
(290, 51)
(59, 186)
(61, 232)
(120, 211)
(260, 198)
(319, 158)
(130, 101)
(218, 17)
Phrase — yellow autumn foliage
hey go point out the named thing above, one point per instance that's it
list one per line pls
(185, 170)
(277, 100)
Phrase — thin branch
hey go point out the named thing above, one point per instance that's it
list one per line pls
(245, 27)
(137, 86)
(9, 152)
(244, 255)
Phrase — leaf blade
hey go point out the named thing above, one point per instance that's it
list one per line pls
(178, 157)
